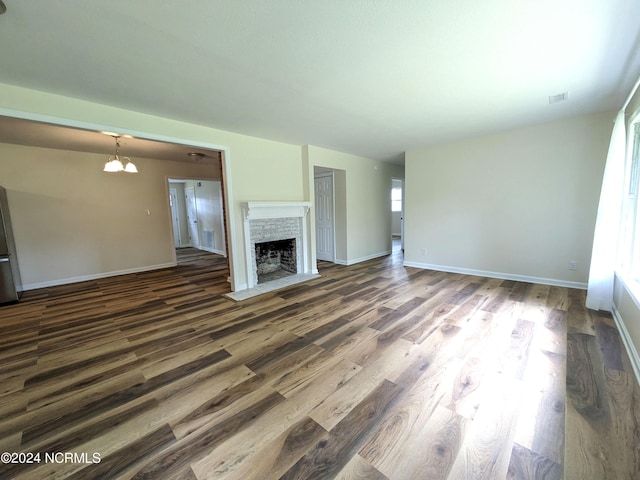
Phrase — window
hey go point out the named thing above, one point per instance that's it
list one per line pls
(396, 199)
(629, 246)
(635, 167)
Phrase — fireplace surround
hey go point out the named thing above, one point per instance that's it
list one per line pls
(274, 222)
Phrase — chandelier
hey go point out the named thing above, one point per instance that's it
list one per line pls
(116, 163)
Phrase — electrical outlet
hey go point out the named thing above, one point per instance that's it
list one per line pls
(424, 252)
(573, 265)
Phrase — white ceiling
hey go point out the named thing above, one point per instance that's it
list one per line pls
(368, 77)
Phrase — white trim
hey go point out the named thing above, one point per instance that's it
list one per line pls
(231, 240)
(241, 286)
(263, 210)
(96, 276)
(632, 286)
(363, 259)
(174, 222)
(505, 276)
(634, 358)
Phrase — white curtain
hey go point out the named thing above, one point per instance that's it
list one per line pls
(605, 239)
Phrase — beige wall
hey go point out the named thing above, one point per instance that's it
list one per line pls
(519, 204)
(73, 221)
(363, 189)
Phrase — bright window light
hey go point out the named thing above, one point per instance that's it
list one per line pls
(396, 199)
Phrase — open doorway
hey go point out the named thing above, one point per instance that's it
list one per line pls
(330, 214)
(197, 215)
(397, 214)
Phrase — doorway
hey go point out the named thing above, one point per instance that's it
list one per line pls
(199, 216)
(397, 214)
(325, 216)
(175, 218)
(192, 216)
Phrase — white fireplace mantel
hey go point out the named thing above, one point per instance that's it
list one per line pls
(275, 210)
(259, 210)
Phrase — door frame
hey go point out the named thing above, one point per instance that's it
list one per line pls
(220, 246)
(175, 218)
(233, 254)
(192, 190)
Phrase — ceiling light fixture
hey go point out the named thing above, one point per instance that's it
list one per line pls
(197, 156)
(115, 162)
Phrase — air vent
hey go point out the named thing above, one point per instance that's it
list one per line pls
(558, 97)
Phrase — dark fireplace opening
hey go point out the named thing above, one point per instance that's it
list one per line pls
(276, 259)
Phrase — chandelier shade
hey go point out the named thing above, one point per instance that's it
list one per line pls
(117, 163)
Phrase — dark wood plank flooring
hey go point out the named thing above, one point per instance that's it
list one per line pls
(373, 371)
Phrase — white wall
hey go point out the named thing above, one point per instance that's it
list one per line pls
(72, 221)
(518, 204)
(396, 223)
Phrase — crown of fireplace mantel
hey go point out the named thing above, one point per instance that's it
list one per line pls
(258, 210)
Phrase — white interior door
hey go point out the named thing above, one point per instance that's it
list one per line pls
(325, 236)
(192, 216)
(175, 217)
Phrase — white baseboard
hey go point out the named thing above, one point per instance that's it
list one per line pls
(634, 358)
(362, 259)
(84, 278)
(241, 286)
(504, 276)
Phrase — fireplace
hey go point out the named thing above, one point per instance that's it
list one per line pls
(272, 223)
(276, 259)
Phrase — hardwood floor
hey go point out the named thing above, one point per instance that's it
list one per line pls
(373, 371)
